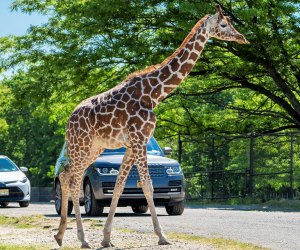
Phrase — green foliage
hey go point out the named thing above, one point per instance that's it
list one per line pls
(87, 47)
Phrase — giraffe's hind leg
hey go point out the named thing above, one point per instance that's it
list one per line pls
(75, 186)
(64, 180)
(75, 191)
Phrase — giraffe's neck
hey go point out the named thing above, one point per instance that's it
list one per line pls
(175, 68)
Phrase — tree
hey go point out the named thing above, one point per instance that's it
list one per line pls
(4, 100)
(90, 46)
(28, 137)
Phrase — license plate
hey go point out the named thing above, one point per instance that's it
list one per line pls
(139, 184)
(4, 192)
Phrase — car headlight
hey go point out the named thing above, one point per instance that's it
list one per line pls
(107, 171)
(24, 179)
(174, 170)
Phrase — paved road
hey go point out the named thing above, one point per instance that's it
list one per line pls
(276, 230)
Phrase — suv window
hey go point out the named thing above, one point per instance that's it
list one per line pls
(152, 148)
(7, 166)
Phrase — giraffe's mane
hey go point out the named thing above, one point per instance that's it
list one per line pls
(183, 44)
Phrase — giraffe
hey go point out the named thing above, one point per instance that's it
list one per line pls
(124, 117)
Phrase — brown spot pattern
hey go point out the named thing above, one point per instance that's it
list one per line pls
(124, 116)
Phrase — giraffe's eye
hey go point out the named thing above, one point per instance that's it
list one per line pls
(223, 25)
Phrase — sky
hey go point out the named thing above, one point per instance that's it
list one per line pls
(16, 23)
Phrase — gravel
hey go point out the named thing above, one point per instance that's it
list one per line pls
(41, 234)
(122, 240)
(275, 230)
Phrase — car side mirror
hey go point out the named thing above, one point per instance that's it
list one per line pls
(23, 169)
(167, 150)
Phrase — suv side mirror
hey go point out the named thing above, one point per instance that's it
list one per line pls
(167, 150)
(23, 169)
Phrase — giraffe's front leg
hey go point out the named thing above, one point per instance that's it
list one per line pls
(118, 190)
(141, 162)
(148, 191)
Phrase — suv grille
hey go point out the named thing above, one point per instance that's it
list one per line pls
(108, 184)
(140, 190)
(175, 183)
(156, 171)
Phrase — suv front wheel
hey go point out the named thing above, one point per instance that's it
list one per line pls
(139, 209)
(176, 209)
(58, 200)
(4, 204)
(24, 203)
(91, 205)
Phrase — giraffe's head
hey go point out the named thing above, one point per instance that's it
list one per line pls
(221, 28)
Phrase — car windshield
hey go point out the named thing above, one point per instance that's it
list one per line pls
(7, 165)
(152, 148)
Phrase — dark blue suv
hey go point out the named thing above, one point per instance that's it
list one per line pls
(99, 181)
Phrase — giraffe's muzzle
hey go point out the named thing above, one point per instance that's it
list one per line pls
(241, 39)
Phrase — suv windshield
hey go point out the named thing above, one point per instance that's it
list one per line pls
(152, 148)
(7, 166)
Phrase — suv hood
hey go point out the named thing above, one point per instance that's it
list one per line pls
(106, 160)
(12, 176)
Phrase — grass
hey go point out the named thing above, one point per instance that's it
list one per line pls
(233, 201)
(27, 222)
(22, 222)
(218, 243)
(96, 225)
(282, 204)
(126, 230)
(20, 247)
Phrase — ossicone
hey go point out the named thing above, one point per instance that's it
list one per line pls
(219, 9)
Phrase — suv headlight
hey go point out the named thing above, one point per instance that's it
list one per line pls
(174, 170)
(107, 171)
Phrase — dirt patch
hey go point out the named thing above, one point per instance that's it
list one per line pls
(42, 234)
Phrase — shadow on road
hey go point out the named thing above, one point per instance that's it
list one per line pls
(104, 215)
(10, 207)
(128, 248)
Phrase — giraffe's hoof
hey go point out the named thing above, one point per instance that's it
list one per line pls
(105, 243)
(164, 242)
(59, 241)
(85, 245)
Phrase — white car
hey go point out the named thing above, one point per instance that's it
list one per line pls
(14, 185)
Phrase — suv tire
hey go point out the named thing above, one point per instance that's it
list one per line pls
(139, 209)
(24, 203)
(4, 204)
(58, 200)
(176, 209)
(91, 205)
